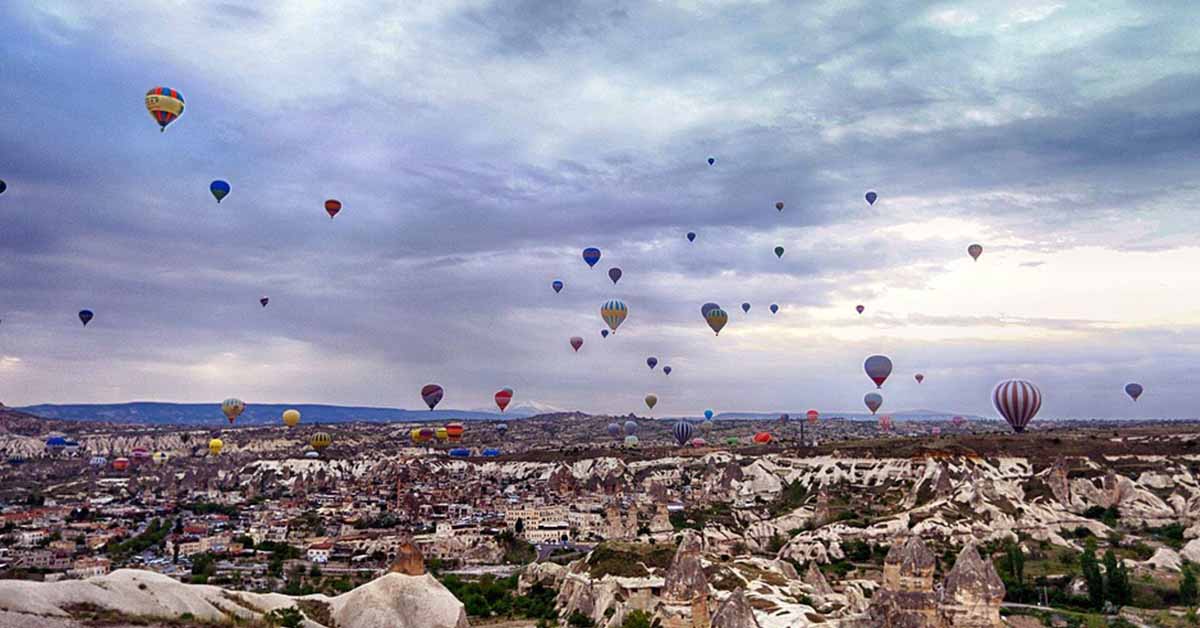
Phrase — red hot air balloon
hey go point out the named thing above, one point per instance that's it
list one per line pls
(503, 397)
(432, 394)
(1017, 400)
(332, 207)
(576, 342)
(885, 423)
(120, 464)
(813, 416)
(762, 438)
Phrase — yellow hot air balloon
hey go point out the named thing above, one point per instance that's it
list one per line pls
(215, 446)
(233, 408)
(160, 457)
(614, 313)
(651, 400)
(415, 435)
(165, 104)
(320, 440)
(442, 434)
(291, 417)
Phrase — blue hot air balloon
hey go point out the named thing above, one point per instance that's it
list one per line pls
(557, 284)
(614, 274)
(871, 196)
(683, 432)
(220, 189)
(746, 308)
(712, 160)
(591, 255)
(667, 370)
(1133, 390)
(691, 236)
(708, 414)
(708, 307)
(491, 452)
(774, 308)
(86, 316)
(460, 452)
(651, 362)
(604, 333)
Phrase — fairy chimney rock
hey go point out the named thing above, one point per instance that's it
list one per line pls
(972, 592)
(409, 560)
(815, 579)
(735, 612)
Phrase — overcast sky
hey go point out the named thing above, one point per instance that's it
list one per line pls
(479, 146)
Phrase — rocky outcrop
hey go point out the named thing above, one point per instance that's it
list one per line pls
(409, 560)
(685, 588)
(906, 599)
(815, 579)
(972, 592)
(735, 612)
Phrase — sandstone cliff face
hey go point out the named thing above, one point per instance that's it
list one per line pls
(972, 592)
(685, 577)
(735, 612)
(409, 560)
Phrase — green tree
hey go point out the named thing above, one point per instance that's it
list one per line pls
(1014, 561)
(636, 619)
(1092, 577)
(1187, 586)
(1116, 580)
(288, 617)
(579, 620)
(519, 527)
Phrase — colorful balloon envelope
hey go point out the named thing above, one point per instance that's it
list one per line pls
(491, 453)
(233, 408)
(1133, 390)
(871, 197)
(441, 434)
(120, 464)
(873, 401)
(604, 333)
(431, 394)
(576, 342)
(320, 441)
(691, 236)
(878, 368)
(614, 313)
(140, 454)
(699, 442)
(708, 307)
(332, 207)
(97, 461)
(455, 431)
(426, 434)
(264, 301)
(160, 457)
(919, 377)
(683, 432)
(502, 428)
(591, 255)
(614, 274)
(708, 414)
(859, 308)
(651, 401)
(614, 429)
(215, 446)
(885, 423)
(779, 205)
(651, 362)
(716, 320)
(557, 285)
(503, 398)
(291, 417)
(779, 251)
(762, 438)
(707, 426)
(165, 105)
(732, 441)
(631, 441)
(86, 316)
(220, 189)
(712, 160)
(774, 308)
(3, 186)
(631, 427)
(312, 455)
(975, 250)
(667, 370)
(460, 452)
(813, 416)
(1018, 401)
(745, 308)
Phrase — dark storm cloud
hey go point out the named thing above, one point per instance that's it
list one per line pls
(478, 149)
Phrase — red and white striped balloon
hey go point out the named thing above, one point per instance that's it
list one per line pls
(1017, 400)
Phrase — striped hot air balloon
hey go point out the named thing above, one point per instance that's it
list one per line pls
(165, 105)
(431, 394)
(683, 432)
(1018, 401)
(320, 440)
(614, 313)
(120, 464)
(716, 320)
(455, 431)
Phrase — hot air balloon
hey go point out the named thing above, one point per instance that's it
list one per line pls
(762, 438)
(975, 250)
(432, 394)
(885, 423)
(920, 377)
(557, 285)
(591, 255)
(441, 434)
(779, 205)
(878, 367)
(86, 316)
(232, 408)
(614, 273)
(708, 414)
(651, 400)
(698, 442)
(631, 441)
(937, 431)
(291, 417)
(779, 251)
(97, 461)
(455, 431)
(745, 308)
(502, 428)
(576, 342)
(732, 441)
(332, 207)
(631, 427)
(712, 160)
(614, 429)
(859, 308)
(3, 186)
(140, 454)
(813, 416)
(160, 457)
(614, 312)
(460, 452)
(491, 452)
(503, 397)
(651, 362)
(871, 196)
(774, 308)
(120, 464)
(215, 446)
(707, 426)
(1017, 400)
(417, 435)
(958, 421)
(683, 432)
(320, 441)
(873, 401)
(56, 444)
(708, 307)
(264, 301)
(667, 370)
(220, 189)
(311, 455)
(691, 236)
(1133, 390)
(716, 320)
(604, 333)
(165, 105)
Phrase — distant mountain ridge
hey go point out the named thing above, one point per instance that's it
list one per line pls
(165, 413)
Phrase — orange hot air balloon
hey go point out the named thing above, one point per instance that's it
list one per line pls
(332, 207)
(454, 431)
(762, 438)
(120, 464)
